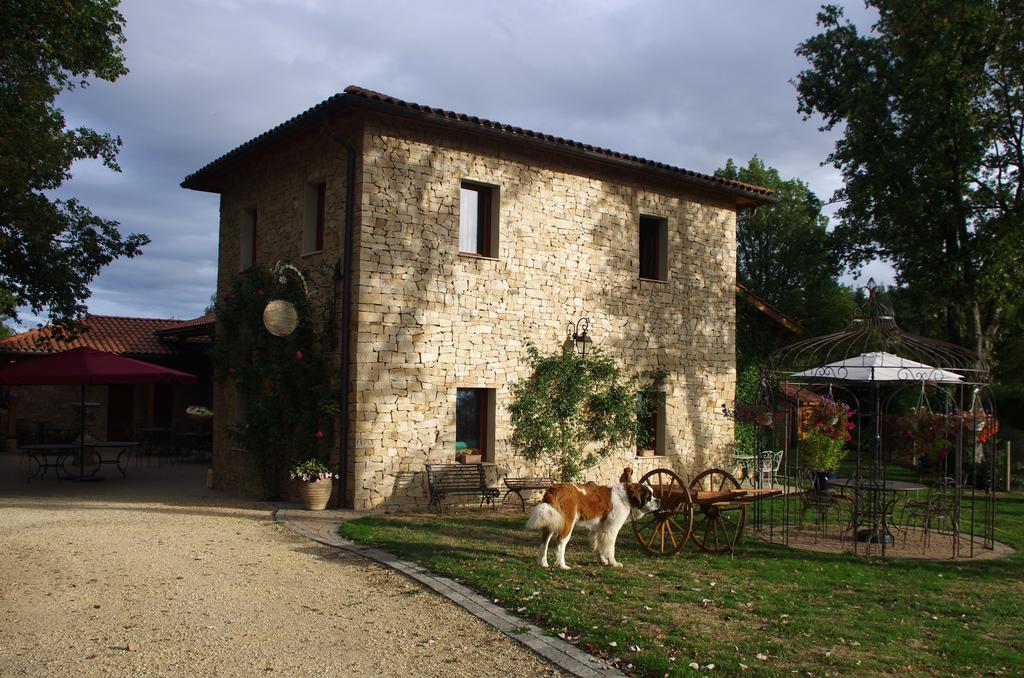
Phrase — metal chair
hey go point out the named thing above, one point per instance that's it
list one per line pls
(823, 504)
(768, 463)
(937, 508)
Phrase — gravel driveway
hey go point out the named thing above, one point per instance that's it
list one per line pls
(155, 575)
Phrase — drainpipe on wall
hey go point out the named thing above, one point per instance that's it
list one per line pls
(346, 302)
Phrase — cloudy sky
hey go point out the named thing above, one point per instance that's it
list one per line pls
(688, 83)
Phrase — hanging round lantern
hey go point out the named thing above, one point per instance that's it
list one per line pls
(280, 317)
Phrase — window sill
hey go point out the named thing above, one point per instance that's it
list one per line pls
(652, 456)
(311, 254)
(473, 255)
(653, 280)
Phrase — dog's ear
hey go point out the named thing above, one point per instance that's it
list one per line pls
(634, 494)
(627, 475)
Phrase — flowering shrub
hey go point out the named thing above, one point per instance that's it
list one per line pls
(826, 432)
(311, 471)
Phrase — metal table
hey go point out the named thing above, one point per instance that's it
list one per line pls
(124, 448)
(878, 531)
(46, 456)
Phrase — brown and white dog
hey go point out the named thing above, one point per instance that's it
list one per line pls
(601, 509)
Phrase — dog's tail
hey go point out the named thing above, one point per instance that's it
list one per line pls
(544, 517)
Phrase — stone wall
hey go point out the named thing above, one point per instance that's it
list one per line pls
(431, 320)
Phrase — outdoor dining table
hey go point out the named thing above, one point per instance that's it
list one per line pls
(47, 456)
(123, 448)
(889, 491)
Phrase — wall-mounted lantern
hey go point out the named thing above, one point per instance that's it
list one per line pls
(581, 338)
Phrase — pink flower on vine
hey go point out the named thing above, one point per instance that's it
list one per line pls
(259, 293)
(231, 370)
(298, 355)
(320, 435)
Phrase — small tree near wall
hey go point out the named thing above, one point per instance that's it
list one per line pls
(573, 411)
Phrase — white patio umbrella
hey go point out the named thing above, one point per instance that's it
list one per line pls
(880, 366)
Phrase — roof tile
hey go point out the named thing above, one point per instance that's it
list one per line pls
(113, 334)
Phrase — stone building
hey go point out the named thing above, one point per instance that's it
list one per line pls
(469, 239)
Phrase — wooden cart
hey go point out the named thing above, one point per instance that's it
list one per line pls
(711, 511)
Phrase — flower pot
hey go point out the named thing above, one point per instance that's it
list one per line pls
(315, 495)
(469, 458)
(822, 478)
(645, 453)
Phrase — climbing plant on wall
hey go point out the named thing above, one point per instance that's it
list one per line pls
(282, 381)
(573, 411)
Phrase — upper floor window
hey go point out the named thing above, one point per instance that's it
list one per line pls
(247, 241)
(653, 248)
(478, 220)
(315, 215)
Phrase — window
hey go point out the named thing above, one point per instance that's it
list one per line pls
(247, 240)
(478, 220)
(650, 414)
(653, 248)
(315, 214)
(474, 422)
(241, 407)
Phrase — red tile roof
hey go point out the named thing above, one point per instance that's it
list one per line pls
(114, 334)
(203, 179)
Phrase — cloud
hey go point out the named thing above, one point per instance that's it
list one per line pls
(690, 84)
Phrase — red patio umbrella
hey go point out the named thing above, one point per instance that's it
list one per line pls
(87, 366)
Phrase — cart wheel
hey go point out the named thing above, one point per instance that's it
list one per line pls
(663, 532)
(717, 526)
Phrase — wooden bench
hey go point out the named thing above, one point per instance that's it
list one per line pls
(519, 485)
(452, 479)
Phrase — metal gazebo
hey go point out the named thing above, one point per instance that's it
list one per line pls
(875, 368)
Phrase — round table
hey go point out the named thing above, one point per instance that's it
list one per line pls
(878, 531)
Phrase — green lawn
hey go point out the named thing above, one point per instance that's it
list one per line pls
(795, 610)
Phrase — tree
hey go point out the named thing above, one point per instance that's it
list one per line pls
(573, 411)
(783, 251)
(931, 150)
(50, 250)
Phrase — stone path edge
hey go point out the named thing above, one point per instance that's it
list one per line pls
(565, 655)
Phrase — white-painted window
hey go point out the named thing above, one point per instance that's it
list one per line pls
(478, 220)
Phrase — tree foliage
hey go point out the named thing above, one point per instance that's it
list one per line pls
(50, 250)
(931, 150)
(784, 253)
(573, 411)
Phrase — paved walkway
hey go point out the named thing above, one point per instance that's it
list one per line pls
(155, 574)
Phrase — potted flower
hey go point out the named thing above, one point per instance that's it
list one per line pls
(823, 443)
(923, 437)
(315, 482)
(199, 412)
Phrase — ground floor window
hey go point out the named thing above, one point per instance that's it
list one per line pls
(650, 412)
(474, 417)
